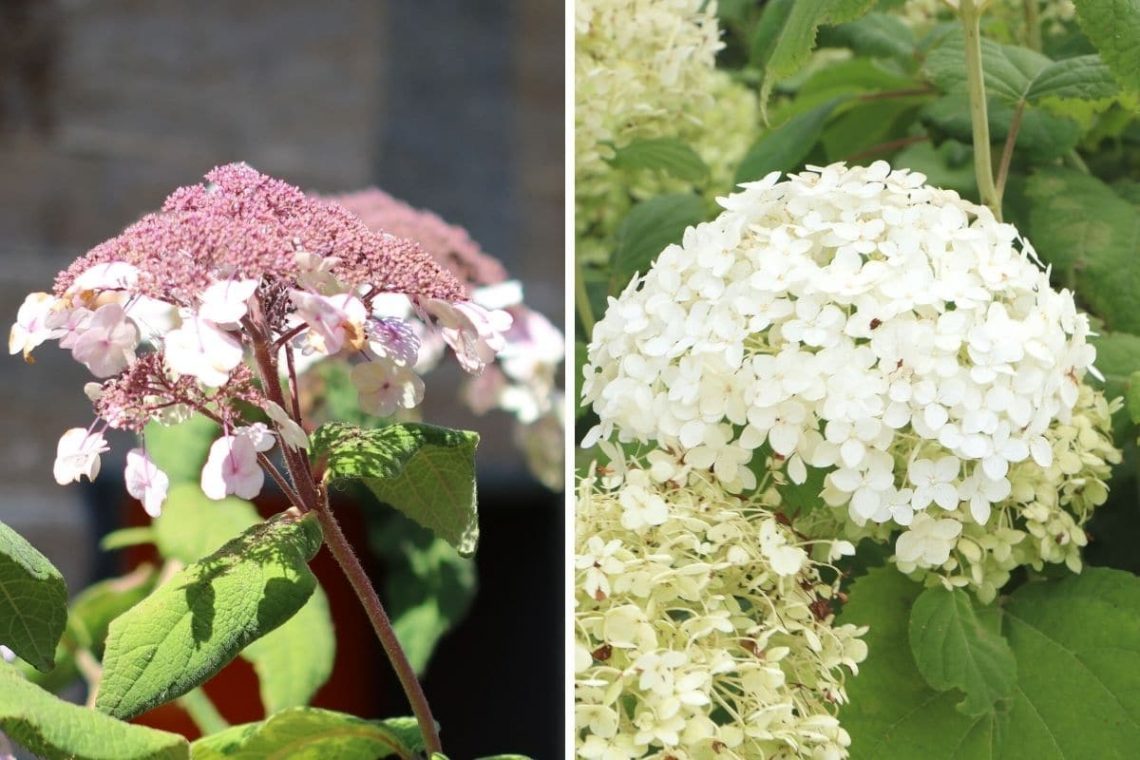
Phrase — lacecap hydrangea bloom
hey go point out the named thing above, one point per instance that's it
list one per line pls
(522, 381)
(702, 627)
(889, 335)
(207, 306)
(645, 69)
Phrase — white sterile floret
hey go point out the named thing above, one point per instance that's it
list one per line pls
(856, 321)
(699, 632)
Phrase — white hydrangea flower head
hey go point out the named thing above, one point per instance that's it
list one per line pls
(646, 69)
(713, 605)
(858, 322)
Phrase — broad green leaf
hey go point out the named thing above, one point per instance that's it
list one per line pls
(193, 525)
(785, 147)
(1009, 71)
(1091, 236)
(843, 79)
(1043, 136)
(1084, 77)
(286, 677)
(426, 472)
(786, 34)
(33, 601)
(55, 729)
(949, 166)
(308, 733)
(181, 450)
(953, 650)
(428, 588)
(648, 229)
(663, 154)
(199, 620)
(1114, 27)
(1077, 646)
(878, 35)
(859, 133)
(99, 604)
(1117, 357)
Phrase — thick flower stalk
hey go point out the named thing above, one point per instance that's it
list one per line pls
(206, 306)
(703, 628)
(891, 335)
(523, 380)
(645, 69)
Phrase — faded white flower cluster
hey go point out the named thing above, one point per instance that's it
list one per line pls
(645, 69)
(858, 322)
(702, 627)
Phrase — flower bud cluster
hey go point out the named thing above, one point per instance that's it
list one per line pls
(702, 627)
(897, 338)
(243, 271)
(645, 69)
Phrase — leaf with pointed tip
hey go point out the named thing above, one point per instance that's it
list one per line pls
(663, 154)
(33, 601)
(192, 525)
(309, 733)
(953, 650)
(648, 229)
(53, 728)
(201, 618)
(426, 472)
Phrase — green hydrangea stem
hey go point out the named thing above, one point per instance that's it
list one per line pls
(354, 571)
(1032, 25)
(203, 712)
(971, 15)
(582, 299)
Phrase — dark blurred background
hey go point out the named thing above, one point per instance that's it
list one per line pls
(105, 107)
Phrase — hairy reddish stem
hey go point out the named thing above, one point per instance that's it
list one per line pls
(354, 571)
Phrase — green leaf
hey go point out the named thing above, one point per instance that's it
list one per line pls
(99, 604)
(953, 650)
(785, 36)
(859, 133)
(125, 537)
(55, 729)
(308, 733)
(1043, 136)
(1077, 646)
(648, 229)
(286, 677)
(1117, 357)
(428, 588)
(1114, 27)
(1091, 237)
(1009, 70)
(199, 620)
(1084, 77)
(192, 525)
(663, 154)
(784, 148)
(1132, 396)
(877, 35)
(426, 472)
(181, 450)
(33, 601)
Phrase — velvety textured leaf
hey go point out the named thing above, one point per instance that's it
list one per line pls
(1114, 27)
(199, 620)
(428, 586)
(58, 730)
(295, 660)
(786, 34)
(193, 525)
(308, 733)
(663, 154)
(426, 472)
(1084, 77)
(1091, 237)
(1009, 71)
(33, 601)
(953, 650)
(648, 229)
(785, 147)
(1077, 646)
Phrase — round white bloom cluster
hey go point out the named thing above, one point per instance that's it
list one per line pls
(646, 69)
(702, 628)
(856, 321)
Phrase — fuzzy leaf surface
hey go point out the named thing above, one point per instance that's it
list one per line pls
(426, 472)
(33, 601)
(201, 618)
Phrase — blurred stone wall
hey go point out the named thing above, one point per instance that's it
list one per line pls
(107, 106)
